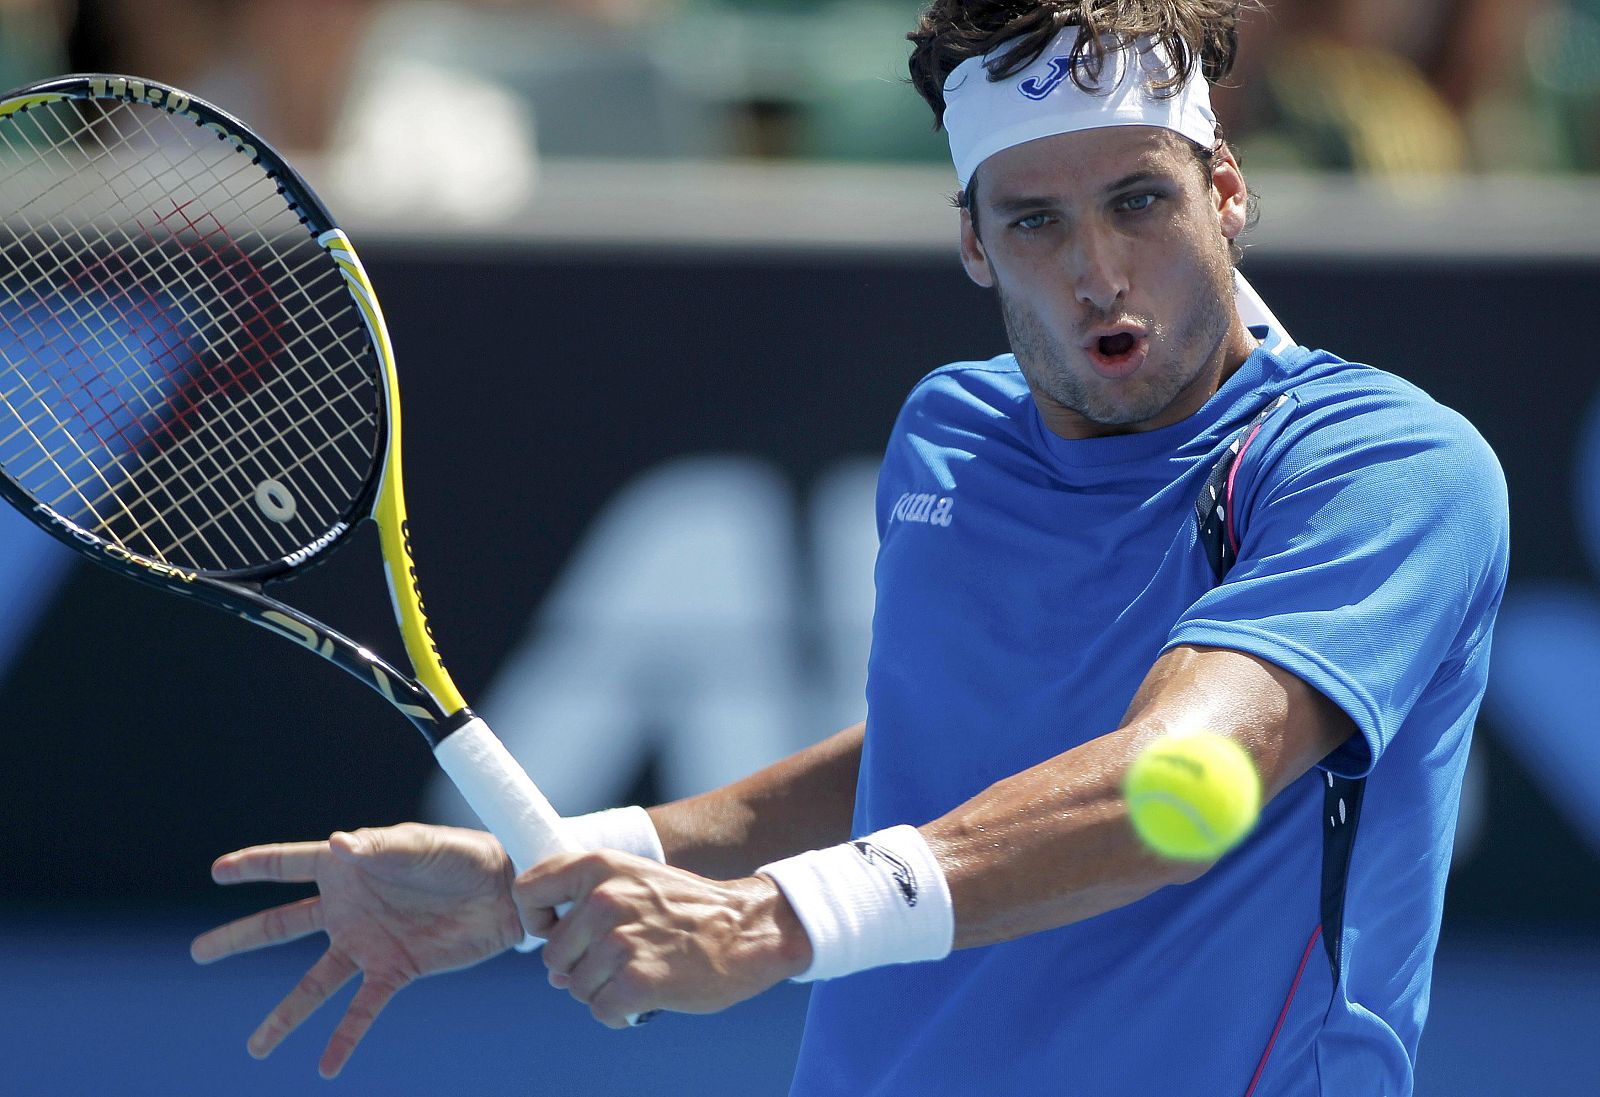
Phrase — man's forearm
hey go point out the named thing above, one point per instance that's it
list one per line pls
(805, 801)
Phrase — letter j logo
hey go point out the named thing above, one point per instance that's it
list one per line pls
(1037, 87)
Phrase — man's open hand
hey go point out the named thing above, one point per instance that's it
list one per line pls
(397, 904)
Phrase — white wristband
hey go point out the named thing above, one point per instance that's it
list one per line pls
(876, 900)
(627, 829)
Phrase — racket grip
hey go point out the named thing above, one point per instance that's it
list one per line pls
(502, 794)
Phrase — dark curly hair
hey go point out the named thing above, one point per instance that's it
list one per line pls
(1195, 33)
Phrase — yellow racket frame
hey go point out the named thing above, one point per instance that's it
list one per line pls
(389, 510)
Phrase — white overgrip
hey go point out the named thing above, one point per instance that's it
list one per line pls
(503, 795)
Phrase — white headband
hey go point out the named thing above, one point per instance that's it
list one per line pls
(984, 116)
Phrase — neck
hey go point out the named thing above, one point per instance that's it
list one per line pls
(1236, 348)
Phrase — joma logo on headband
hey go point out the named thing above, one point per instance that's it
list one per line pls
(1037, 87)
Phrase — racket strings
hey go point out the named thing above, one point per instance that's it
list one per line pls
(193, 492)
(103, 461)
(336, 290)
(92, 506)
(163, 218)
(108, 286)
(249, 352)
(175, 478)
(238, 351)
(178, 344)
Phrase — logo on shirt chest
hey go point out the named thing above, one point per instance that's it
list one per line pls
(924, 508)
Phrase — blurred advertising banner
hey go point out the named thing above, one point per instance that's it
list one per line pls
(641, 487)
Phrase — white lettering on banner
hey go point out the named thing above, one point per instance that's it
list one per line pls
(699, 627)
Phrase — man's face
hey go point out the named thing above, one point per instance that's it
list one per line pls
(1109, 250)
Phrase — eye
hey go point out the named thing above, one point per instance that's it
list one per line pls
(1136, 203)
(1031, 223)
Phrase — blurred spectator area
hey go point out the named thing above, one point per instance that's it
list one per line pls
(632, 79)
(1377, 87)
(1363, 86)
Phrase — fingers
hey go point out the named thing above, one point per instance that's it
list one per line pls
(588, 952)
(593, 968)
(555, 882)
(566, 944)
(316, 986)
(281, 862)
(603, 979)
(553, 902)
(289, 922)
(620, 999)
(364, 1009)
(621, 987)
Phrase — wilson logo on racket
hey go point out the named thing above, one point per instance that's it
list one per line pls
(300, 556)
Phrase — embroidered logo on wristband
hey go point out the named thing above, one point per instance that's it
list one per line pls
(880, 899)
(904, 878)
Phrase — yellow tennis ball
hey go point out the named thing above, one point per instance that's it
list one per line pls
(1192, 797)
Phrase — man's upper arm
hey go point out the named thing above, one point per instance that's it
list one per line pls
(1285, 723)
(1373, 551)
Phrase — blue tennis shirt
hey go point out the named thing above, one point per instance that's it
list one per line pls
(1026, 583)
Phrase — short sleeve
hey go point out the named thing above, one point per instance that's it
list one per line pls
(1373, 540)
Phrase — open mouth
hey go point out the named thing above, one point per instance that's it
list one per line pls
(1117, 354)
(1116, 346)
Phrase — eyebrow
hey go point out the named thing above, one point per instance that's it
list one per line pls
(1021, 202)
(1135, 178)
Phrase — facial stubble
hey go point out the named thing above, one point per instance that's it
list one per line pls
(1048, 364)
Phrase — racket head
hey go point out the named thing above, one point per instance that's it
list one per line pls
(190, 381)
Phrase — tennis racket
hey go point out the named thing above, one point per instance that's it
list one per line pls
(197, 390)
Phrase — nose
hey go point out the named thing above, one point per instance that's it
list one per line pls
(1099, 276)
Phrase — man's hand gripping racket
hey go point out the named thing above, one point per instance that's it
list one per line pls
(197, 391)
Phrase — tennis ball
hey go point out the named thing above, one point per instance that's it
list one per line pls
(1192, 797)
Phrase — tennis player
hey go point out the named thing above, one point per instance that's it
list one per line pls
(958, 875)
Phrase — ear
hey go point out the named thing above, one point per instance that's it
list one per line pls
(973, 257)
(1230, 193)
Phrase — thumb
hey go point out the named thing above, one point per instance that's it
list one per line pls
(547, 890)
